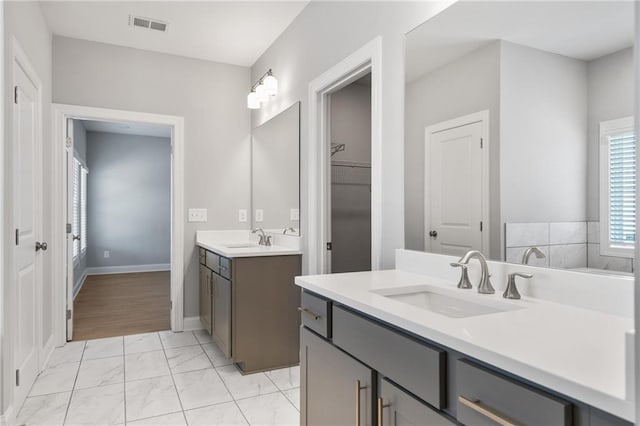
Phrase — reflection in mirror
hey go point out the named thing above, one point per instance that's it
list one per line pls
(519, 133)
(276, 173)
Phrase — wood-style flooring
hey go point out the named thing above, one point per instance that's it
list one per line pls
(122, 304)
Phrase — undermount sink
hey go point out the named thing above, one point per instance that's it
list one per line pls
(440, 301)
(240, 245)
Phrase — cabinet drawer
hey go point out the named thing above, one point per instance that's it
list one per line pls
(396, 407)
(419, 367)
(212, 261)
(225, 267)
(201, 255)
(316, 313)
(486, 398)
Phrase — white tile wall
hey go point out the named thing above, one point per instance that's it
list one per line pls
(567, 233)
(568, 256)
(527, 234)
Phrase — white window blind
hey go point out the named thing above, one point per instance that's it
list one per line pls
(75, 226)
(617, 187)
(83, 209)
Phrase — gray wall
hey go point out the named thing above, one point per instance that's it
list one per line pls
(25, 22)
(611, 83)
(351, 122)
(210, 96)
(323, 34)
(129, 194)
(80, 151)
(543, 137)
(465, 86)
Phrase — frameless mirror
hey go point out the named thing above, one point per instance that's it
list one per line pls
(519, 133)
(275, 169)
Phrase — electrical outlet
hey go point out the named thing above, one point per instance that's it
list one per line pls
(107, 254)
(197, 215)
(295, 214)
(242, 215)
(259, 215)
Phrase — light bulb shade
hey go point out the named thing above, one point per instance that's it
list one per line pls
(271, 85)
(261, 91)
(252, 101)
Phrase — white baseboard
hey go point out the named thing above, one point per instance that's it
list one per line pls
(8, 417)
(127, 269)
(83, 278)
(46, 352)
(192, 324)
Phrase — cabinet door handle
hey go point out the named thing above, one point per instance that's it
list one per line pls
(358, 389)
(487, 412)
(381, 407)
(310, 313)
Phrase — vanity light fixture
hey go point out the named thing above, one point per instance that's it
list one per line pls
(262, 90)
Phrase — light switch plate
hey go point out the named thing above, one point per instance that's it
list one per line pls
(259, 215)
(107, 255)
(197, 215)
(242, 215)
(295, 214)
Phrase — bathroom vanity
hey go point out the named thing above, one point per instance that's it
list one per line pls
(400, 347)
(248, 300)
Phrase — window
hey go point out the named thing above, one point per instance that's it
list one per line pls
(617, 187)
(79, 217)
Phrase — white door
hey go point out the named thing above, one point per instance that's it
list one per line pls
(70, 236)
(454, 190)
(27, 261)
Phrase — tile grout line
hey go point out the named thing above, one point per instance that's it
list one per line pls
(173, 380)
(75, 381)
(124, 381)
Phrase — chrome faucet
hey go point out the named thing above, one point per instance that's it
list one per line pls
(265, 240)
(484, 286)
(287, 230)
(528, 252)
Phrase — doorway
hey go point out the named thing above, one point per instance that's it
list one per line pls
(119, 197)
(456, 185)
(64, 117)
(350, 177)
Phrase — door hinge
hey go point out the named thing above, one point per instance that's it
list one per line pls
(17, 377)
(68, 314)
(171, 304)
(68, 142)
(481, 143)
(15, 94)
(68, 228)
(329, 246)
(17, 236)
(480, 226)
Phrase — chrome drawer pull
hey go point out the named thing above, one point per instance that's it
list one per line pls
(475, 406)
(310, 313)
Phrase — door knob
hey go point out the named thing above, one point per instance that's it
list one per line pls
(41, 246)
(433, 234)
(76, 237)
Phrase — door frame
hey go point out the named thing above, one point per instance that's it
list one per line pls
(477, 117)
(18, 58)
(367, 59)
(60, 114)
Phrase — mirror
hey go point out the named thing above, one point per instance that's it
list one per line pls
(275, 173)
(507, 107)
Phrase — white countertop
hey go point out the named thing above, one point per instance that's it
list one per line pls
(244, 244)
(577, 352)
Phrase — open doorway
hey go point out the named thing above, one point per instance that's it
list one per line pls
(119, 200)
(350, 188)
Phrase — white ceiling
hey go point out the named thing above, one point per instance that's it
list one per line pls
(232, 32)
(579, 29)
(127, 128)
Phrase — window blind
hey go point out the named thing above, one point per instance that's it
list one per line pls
(75, 226)
(622, 188)
(83, 209)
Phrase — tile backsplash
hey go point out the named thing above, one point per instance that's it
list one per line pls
(569, 245)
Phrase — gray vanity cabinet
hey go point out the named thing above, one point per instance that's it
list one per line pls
(338, 390)
(205, 297)
(398, 408)
(221, 331)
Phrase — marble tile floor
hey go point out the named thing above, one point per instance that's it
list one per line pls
(160, 378)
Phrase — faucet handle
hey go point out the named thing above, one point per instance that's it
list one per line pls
(464, 278)
(267, 240)
(511, 292)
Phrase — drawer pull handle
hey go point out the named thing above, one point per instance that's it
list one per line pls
(310, 313)
(358, 389)
(381, 407)
(477, 407)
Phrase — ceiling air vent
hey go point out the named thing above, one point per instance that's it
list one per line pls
(149, 24)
